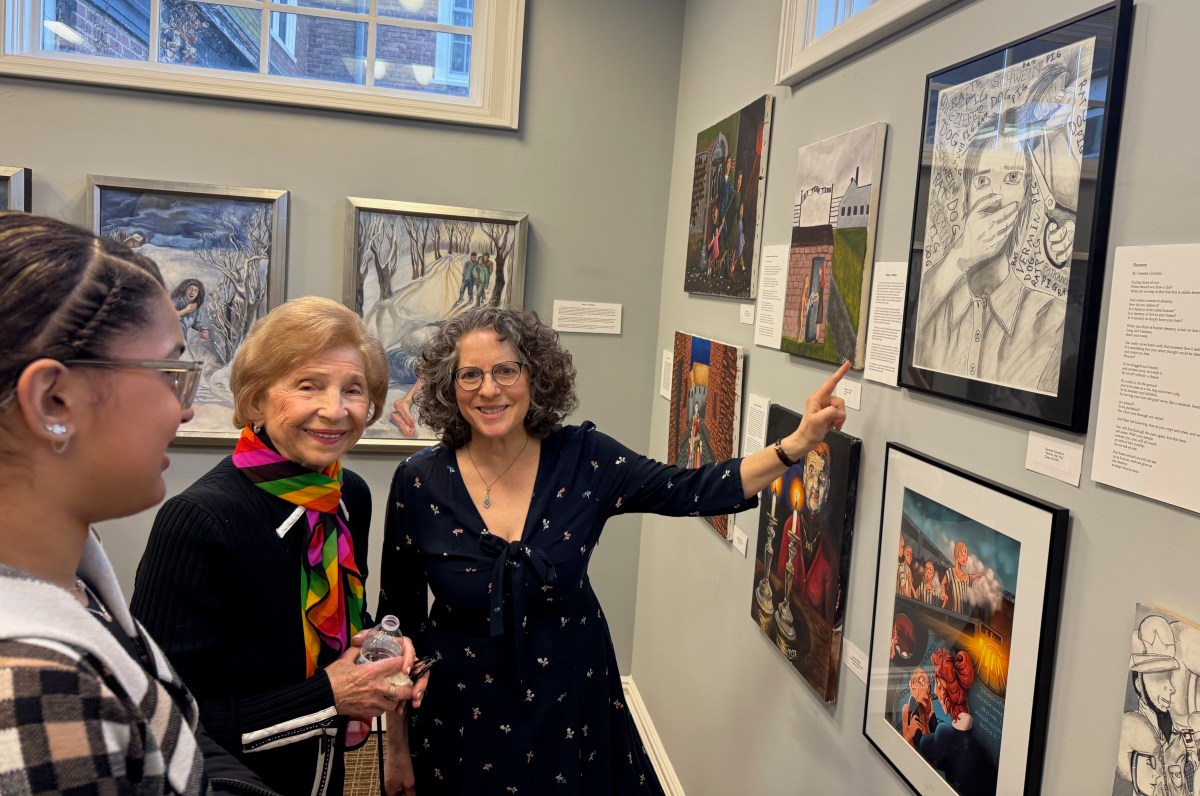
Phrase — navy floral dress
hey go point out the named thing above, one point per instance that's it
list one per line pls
(527, 698)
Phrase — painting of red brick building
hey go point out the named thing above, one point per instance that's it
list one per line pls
(706, 399)
(833, 246)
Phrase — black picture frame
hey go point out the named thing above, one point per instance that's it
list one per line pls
(1044, 113)
(993, 639)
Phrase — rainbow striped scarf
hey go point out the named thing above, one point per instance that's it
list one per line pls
(331, 587)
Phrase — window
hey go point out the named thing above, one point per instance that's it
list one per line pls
(815, 35)
(453, 60)
(283, 30)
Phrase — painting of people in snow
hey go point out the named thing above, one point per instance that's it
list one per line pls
(409, 267)
(223, 254)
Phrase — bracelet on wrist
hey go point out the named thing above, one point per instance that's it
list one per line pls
(783, 457)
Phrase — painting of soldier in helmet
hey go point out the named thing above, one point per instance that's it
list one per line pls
(1157, 754)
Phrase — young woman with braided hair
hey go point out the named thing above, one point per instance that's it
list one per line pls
(92, 390)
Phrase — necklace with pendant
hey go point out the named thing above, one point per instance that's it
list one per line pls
(487, 495)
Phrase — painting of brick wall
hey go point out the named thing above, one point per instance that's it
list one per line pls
(796, 299)
(679, 395)
(722, 400)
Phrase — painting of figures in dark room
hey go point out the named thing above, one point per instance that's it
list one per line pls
(728, 197)
(223, 256)
(1157, 754)
(948, 661)
(410, 267)
(1008, 159)
(706, 398)
(802, 558)
(833, 246)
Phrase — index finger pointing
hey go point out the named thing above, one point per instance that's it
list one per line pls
(826, 389)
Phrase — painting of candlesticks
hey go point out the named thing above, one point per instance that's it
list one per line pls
(802, 558)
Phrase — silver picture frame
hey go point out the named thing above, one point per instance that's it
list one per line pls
(406, 270)
(217, 246)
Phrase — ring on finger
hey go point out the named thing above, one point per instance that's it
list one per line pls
(391, 692)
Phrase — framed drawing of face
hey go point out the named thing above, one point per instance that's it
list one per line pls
(1010, 229)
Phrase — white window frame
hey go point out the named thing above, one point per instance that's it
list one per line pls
(800, 59)
(494, 99)
(288, 40)
(445, 50)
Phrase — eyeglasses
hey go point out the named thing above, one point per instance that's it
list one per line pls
(505, 374)
(181, 375)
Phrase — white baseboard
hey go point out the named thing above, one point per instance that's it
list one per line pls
(654, 747)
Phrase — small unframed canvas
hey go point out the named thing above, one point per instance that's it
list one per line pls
(728, 195)
(805, 529)
(1157, 754)
(706, 401)
(833, 246)
(410, 267)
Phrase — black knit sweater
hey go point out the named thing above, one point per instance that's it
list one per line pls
(220, 592)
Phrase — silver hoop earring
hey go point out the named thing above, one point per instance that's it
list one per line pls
(60, 445)
(256, 428)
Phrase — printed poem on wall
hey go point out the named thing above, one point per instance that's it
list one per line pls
(1148, 429)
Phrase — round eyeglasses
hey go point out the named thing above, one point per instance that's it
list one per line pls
(505, 374)
(181, 375)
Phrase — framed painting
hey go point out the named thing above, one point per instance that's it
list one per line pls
(16, 188)
(833, 246)
(802, 558)
(1156, 754)
(728, 197)
(965, 626)
(223, 254)
(409, 267)
(706, 407)
(1010, 231)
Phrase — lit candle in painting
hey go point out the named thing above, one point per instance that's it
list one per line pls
(776, 488)
(797, 495)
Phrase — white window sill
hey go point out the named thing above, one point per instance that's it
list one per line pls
(870, 26)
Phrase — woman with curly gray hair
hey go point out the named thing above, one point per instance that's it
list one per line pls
(500, 520)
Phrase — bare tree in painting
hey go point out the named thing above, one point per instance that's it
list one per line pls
(418, 236)
(436, 229)
(501, 237)
(379, 250)
(460, 235)
(239, 250)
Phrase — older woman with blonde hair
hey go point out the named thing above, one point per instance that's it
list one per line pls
(254, 576)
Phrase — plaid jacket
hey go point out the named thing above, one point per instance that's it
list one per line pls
(77, 714)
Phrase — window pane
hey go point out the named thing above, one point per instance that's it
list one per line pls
(325, 49)
(859, 5)
(203, 34)
(826, 20)
(422, 60)
(423, 10)
(351, 6)
(117, 29)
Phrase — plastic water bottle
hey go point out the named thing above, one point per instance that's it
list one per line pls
(383, 641)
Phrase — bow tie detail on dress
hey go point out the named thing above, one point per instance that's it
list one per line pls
(516, 564)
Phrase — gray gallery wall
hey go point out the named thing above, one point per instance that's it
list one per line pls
(589, 165)
(733, 716)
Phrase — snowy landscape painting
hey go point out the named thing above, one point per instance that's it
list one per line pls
(411, 266)
(223, 254)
